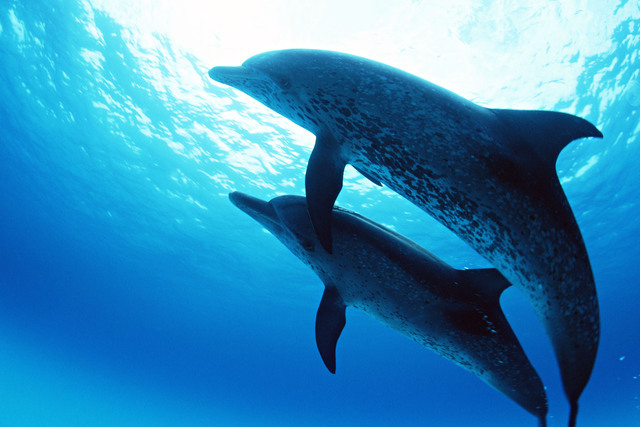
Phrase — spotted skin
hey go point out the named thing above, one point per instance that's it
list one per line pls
(487, 174)
(455, 313)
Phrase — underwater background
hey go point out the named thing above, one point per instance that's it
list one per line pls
(132, 292)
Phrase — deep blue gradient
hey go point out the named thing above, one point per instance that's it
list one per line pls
(133, 293)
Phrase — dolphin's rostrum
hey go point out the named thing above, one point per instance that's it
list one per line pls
(456, 313)
(487, 174)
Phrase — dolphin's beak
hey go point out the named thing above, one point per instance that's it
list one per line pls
(257, 209)
(237, 77)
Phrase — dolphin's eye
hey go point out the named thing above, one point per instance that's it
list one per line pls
(306, 244)
(285, 84)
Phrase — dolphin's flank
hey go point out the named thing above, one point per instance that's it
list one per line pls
(456, 313)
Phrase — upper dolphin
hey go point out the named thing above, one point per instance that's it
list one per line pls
(487, 174)
(456, 313)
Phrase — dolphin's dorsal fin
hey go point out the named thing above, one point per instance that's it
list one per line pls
(487, 282)
(547, 132)
(330, 321)
(323, 183)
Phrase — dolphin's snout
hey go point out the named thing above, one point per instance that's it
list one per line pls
(257, 209)
(217, 73)
(248, 203)
(234, 75)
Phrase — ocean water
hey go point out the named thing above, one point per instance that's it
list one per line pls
(133, 293)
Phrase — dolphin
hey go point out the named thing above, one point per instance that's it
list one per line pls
(487, 174)
(455, 313)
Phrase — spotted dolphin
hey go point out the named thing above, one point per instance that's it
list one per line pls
(487, 174)
(456, 313)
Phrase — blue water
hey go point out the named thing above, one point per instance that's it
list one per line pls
(133, 293)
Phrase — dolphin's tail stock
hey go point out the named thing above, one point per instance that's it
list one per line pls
(543, 135)
(573, 414)
(542, 421)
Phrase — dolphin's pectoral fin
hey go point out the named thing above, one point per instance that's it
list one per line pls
(547, 132)
(330, 321)
(323, 184)
(368, 176)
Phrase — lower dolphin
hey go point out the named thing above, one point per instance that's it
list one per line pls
(456, 313)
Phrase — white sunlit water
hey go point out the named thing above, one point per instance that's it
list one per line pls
(134, 293)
